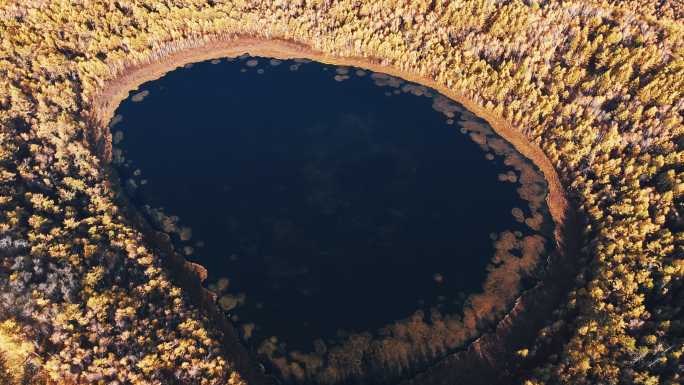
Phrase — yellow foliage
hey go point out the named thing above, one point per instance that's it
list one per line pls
(16, 348)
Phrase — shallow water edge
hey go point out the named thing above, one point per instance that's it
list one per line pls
(117, 89)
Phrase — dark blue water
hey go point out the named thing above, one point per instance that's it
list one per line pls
(329, 204)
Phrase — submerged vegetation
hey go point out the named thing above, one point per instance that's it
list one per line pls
(596, 85)
(382, 175)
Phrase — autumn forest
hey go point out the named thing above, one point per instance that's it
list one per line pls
(582, 100)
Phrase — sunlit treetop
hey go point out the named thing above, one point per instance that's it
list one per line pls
(596, 87)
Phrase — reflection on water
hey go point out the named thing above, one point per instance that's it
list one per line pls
(328, 203)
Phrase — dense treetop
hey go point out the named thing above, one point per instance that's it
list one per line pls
(597, 85)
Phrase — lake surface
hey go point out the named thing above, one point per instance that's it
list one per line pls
(331, 199)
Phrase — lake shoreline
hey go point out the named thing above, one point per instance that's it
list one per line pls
(566, 231)
(117, 90)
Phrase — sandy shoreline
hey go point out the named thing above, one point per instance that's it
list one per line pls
(116, 90)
